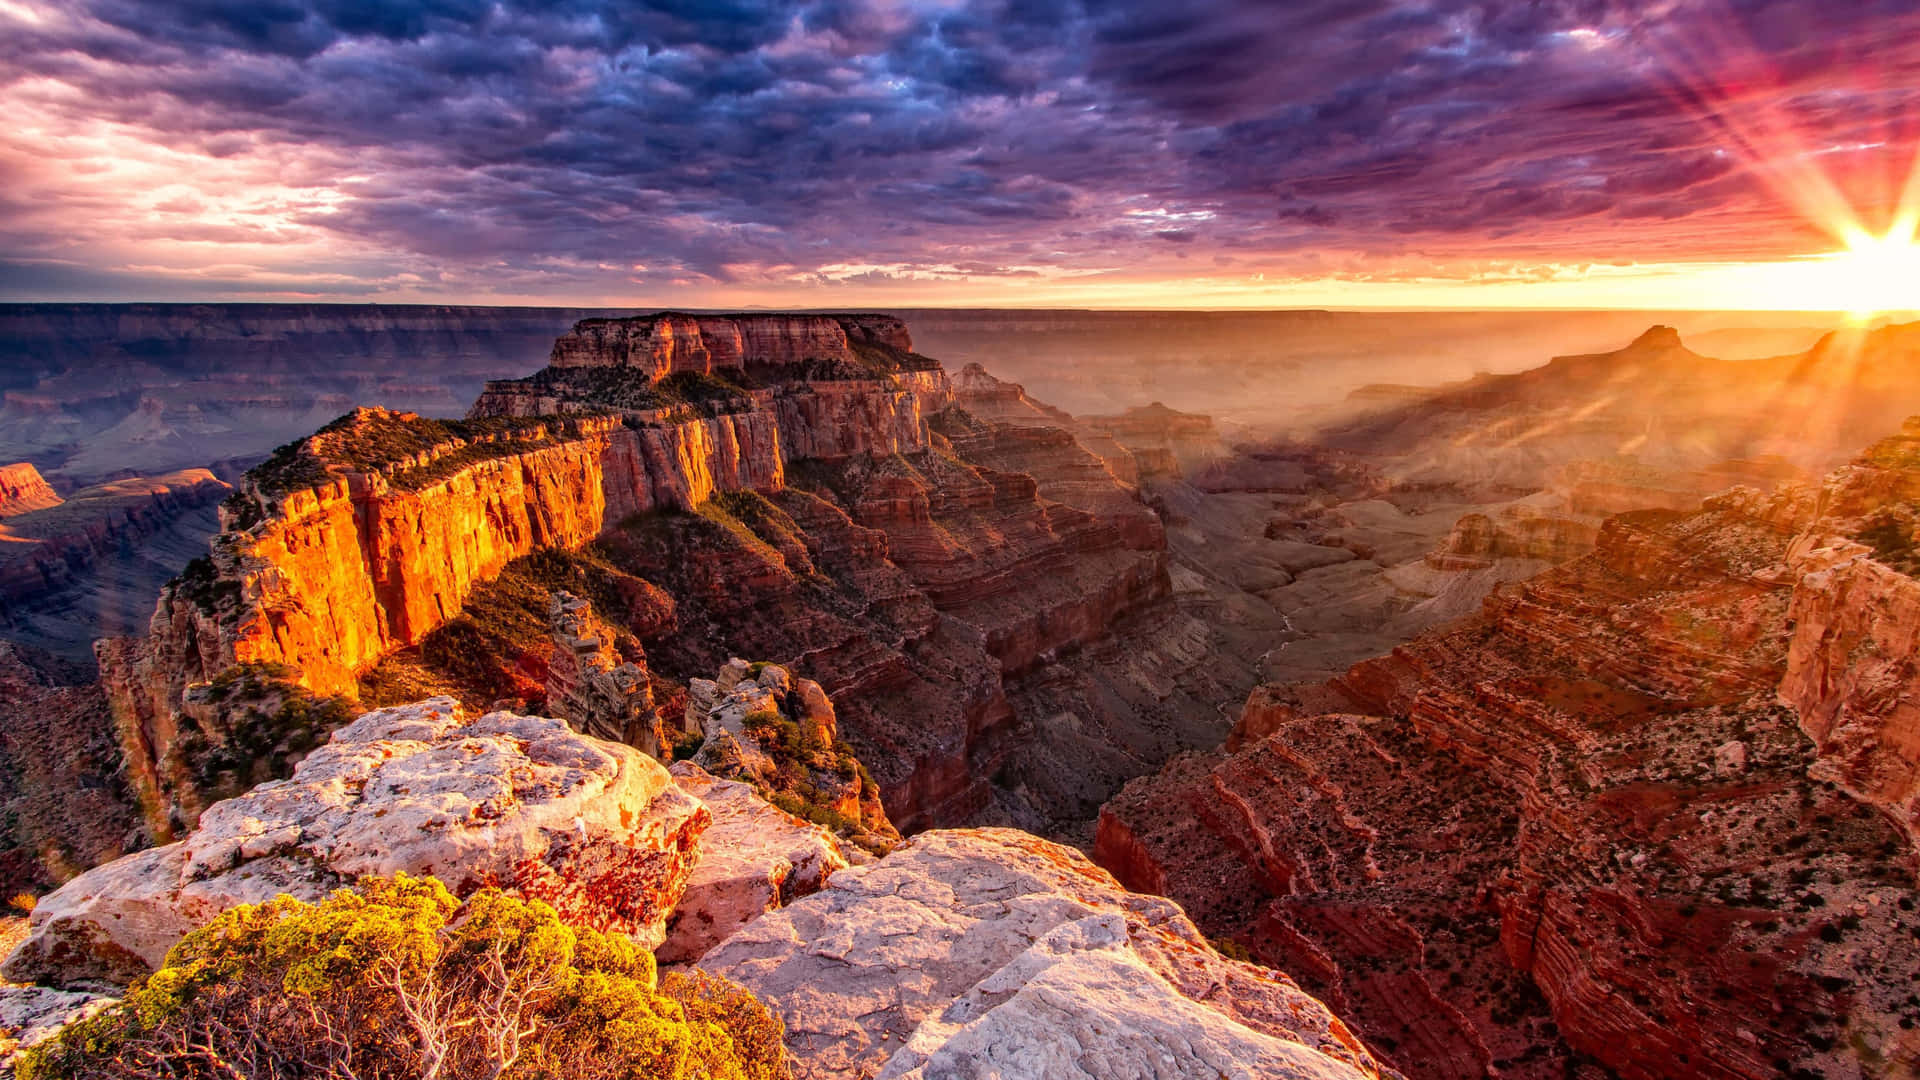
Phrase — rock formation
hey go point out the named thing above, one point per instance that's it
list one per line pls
(656, 346)
(1166, 442)
(598, 830)
(1477, 541)
(753, 859)
(991, 952)
(1646, 810)
(758, 724)
(45, 548)
(916, 556)
(995, 401)
(592, 687)
(22, 489)
(1851, 673)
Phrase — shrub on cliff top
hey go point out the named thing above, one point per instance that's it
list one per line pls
(396, 980)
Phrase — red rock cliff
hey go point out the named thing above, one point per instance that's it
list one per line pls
(22, 489)
(1580, 825)
(375, 532)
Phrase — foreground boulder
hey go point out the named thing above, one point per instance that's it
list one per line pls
(992, 953)
(755, 858)
(596, 829)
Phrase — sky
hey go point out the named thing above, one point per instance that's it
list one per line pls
(839, 153)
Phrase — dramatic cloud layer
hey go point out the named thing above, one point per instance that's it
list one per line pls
(802, 152)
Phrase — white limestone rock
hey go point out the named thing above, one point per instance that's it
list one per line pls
(993, 953)
(597, 829)
(755, 858)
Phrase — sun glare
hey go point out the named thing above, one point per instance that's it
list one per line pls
(1877, 273)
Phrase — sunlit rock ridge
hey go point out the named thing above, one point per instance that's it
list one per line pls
(799, 487)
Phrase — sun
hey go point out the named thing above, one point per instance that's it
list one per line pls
(1876, 273)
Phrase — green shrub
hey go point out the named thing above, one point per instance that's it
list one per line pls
(396, 980)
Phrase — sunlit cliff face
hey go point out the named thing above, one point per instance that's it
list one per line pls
(1688, 153)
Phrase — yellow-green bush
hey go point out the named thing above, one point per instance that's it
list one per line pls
(396, 980)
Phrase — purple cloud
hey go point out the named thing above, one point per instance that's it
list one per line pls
(556, 148)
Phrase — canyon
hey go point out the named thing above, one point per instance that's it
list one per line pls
(76, 567)
(1647, 812)
(834, 509)
(1550, 723)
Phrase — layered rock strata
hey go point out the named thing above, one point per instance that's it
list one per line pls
(668, 342)
(591, 686)
(991, 952)
(50, 547)
(596, 829)
(997, 576)
(23, 489)
(1581, 826)
(373, 533)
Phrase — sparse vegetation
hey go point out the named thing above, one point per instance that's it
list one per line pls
(495, 648)
(803, 762)
(367, 441)
(202, 586)
(263, 723)
(396, 980)
(1890, 533)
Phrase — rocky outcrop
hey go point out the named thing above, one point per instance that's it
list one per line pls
(1581, 824)
(1517, 532)
(596, 829)
(593, 687)
(1165, 442)
(1851, 674)
(986, 952)
(759, 724)
(754, 859)
(995, 401)
(22, 489)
